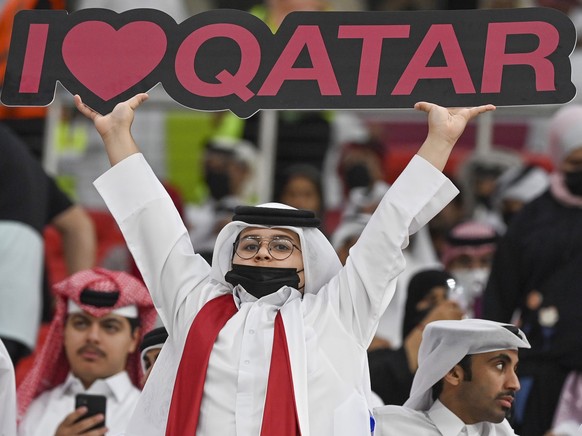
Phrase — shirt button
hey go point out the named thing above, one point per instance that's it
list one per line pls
(251, 331)
(246, 362)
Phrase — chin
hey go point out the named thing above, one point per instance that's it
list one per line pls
(499, 417)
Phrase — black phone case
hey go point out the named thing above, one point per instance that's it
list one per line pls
(95, 404)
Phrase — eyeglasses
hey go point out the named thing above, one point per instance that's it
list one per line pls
(279, 248)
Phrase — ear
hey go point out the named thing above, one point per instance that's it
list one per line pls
(455, 376)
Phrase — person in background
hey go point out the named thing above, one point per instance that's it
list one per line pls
(516, 187)
(229, 172)
(28, 123)
(535, 279)
(568, 417)
(465, 383)
(91, 348)
(477, 177)
(30, 200)
(467, 255)
(346, 235)
(362, 173)
(301, 188)
(150, 348)
(392, 370)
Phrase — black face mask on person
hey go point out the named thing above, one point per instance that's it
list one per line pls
(358, 176)
(260, 281)
(573, 181)
(218, 183)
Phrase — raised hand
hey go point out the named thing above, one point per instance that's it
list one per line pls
(445, 126)
(115, 127)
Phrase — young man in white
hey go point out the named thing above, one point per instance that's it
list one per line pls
(292, 307)
(465, 383)
(91, 348)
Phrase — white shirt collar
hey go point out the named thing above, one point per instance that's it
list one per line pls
(116, 386)
(446, 421)
(279, 298)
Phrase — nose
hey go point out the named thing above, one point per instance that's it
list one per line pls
(263, 252)
(513, 382)
(93, 333)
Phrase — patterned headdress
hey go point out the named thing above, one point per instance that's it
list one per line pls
(117, 290)
(473, 238)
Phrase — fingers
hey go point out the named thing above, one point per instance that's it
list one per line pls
(424, 106)
(72, 417)
(137, 99)
(74, 424)
(84, 109)
(472, 111)
(97, 432)
(133, 103)
(82, 426)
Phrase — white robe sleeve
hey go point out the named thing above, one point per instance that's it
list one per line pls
(367, 282)
(163, 253)
(7, 394)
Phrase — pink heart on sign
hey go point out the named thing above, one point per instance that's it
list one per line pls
(108, 61)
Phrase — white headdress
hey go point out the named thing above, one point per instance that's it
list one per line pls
(320, 260)
(445, 343)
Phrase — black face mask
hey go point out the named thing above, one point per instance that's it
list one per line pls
(358, 176)
(573, 180)
(260, 281)
(218, 183)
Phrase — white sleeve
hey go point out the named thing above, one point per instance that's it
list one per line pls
(7, 394)
(367, 282)
(157, 238)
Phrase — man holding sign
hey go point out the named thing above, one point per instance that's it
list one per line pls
(271, 339)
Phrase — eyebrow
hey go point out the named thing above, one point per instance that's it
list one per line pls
(502, 356)
(79, 316)
(110, 320)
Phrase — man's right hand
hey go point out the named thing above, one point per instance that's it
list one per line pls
(71, 425)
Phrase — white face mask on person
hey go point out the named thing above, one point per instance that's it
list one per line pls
(470, 284)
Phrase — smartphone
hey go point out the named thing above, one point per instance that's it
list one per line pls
(95, 404)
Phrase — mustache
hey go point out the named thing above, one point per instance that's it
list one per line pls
(91, 349)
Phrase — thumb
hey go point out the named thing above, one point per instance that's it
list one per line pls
(424, 106)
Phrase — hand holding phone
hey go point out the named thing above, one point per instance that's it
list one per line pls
(79, 422)
(95, 404)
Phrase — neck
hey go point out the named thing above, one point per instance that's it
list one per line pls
(458, 408)
(86, 382)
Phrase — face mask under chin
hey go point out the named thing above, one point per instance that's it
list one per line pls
(260, 281)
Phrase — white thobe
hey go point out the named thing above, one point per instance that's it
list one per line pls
(48, 410)
(327, 331)
(437, 421)
(7, 394)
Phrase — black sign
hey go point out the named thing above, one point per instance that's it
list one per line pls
(227, 59)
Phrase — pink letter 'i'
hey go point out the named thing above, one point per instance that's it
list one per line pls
(33, 58)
